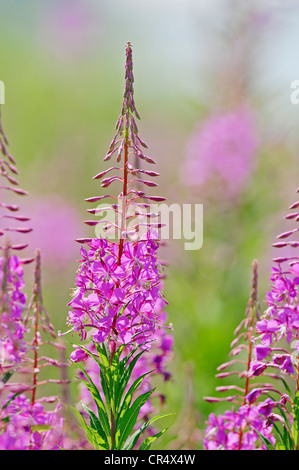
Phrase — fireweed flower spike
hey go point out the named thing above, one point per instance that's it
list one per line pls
(10, 212)
(276, 342)
(24, 423)
(12, 297)
(239, 428)
(28, 425)
(118, 303)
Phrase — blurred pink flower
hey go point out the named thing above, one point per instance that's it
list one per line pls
(69, 27)
(222, 149)
(55, 223)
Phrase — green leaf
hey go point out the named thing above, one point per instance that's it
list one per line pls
(104, 365)
(117, 415)
(95, 423)
(146, 444)
(129, 418)
(286, 437)
(284, 441)
(265, 440)
(125, 376)
(131, 441)
(15, 395)
(5, 377)
(126, 401)
(97, 398)
(81, 421)
(295, 428)
(106, 387)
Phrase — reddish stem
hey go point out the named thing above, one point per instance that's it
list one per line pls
(124, 203)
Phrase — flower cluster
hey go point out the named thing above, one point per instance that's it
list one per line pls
(277, 332)
(239, 428)
(30, 427)
(236, 429)
(273, 354)
(119, 301)
(13, 300)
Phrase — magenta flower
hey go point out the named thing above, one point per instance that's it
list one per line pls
(24, 422)
(235, 430)
(262, 351)
(117, 301)
(14, 300)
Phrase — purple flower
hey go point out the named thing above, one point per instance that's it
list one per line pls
(266, 407)
(253, 395)
(262, 351)
(235, 430)
(78, 355)
(22, 417)
(256, 369)
(118, 301)
(13, 299)
(285, 362)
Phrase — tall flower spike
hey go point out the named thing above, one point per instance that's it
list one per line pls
(235, 429)
(118, 303)
(125, 144)
(277, 337)
(8, 171)
(280, 319)
(243, 341)
(22, 430)
(285, 241)
(12, 298)
(119, 284)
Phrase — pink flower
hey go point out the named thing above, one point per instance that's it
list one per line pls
(12, 342)
(54, 222)
(262, 351)
(117, 300)
(236, 430)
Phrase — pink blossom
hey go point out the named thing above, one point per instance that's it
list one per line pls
(235, 430)
(23, 422)
(13, 300)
